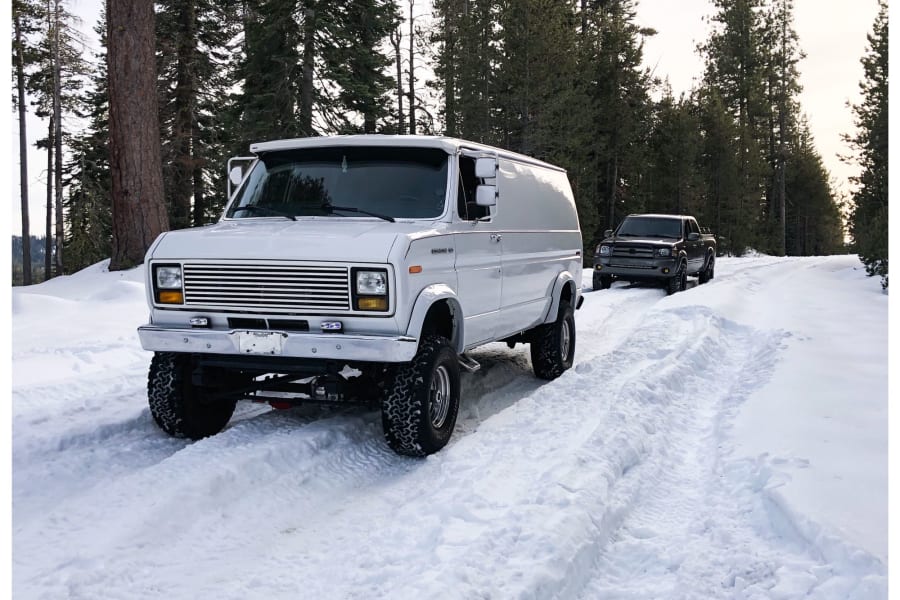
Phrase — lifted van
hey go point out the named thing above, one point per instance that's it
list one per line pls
(362, 269)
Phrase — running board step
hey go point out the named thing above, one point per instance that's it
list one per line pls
(468, 363)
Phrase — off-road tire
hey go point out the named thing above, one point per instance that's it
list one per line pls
(406, 409)
(553, 344)
(179, 407)
(602, 282)
(708, 271)
(678, 282)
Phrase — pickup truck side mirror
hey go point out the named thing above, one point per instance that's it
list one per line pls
(693, 236)
(486, 195)
(608, 233)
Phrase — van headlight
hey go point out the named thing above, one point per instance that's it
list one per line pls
(371, 289)
(168, 284)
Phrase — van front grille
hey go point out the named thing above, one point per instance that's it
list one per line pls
(267, 286)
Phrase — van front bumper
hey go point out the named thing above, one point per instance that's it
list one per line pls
(337, 346)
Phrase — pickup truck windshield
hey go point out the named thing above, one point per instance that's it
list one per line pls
(408, 183)
(650, 227)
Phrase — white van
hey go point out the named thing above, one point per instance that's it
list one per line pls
(361, 269)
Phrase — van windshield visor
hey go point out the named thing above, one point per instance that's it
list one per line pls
(650, 227)
(404, 183)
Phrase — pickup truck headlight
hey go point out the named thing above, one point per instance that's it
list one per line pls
(603, 250)
(664, 252)
(371, 289)
(168, 283)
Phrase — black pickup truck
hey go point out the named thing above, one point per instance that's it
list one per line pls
(662, 248)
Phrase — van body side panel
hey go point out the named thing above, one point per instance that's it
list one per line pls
(536, 219)
(478, 260)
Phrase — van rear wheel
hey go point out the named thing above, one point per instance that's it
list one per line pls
(553, 344)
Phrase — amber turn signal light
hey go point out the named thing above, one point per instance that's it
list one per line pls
(171, 297)
(372, 303)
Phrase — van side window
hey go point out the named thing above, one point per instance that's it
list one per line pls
(466, 206)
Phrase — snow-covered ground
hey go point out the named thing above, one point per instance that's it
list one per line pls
(725, 442)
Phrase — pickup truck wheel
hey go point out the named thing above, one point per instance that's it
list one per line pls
(602, 282)
(179, 407)
(707, 273)
(553, 344)
(678, 282)
(419, 411)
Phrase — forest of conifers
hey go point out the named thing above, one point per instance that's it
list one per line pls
(560, 80)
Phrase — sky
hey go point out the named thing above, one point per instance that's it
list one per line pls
(832, 34)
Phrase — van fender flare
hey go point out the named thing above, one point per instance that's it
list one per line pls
(562, 280)
(437, 292)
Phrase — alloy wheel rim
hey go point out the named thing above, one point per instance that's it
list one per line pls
(439, 396)
(565, 338)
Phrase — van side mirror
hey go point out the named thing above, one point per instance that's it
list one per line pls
(486, 167)
(236, 175)
(486, 195)
(608, 233)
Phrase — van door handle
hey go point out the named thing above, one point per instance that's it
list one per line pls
(496, 237)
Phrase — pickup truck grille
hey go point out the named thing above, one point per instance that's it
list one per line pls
(633, 251)
(267, 286)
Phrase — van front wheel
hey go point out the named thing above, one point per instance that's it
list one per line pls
(419, 410)
(553, 344)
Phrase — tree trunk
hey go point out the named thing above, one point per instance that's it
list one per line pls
(57, 140)
(412, 71)
(23, 155)
(309, 55)
(396, 38)
(48, 232)
(138, 209)
(185, 95)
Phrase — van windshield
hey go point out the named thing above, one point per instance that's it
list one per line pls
(651, 227)
(407, 183)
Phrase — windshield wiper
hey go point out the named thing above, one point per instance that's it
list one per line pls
(333, 208)
(263, 209)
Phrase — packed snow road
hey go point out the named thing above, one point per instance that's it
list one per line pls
(631, 476)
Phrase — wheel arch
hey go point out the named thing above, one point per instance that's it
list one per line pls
(563, 289)
(437, 310)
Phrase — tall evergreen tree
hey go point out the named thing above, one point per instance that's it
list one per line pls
(869, 218)
(812, 217)
(26, 17)
(734, 66)
(88, 209)
(192, 56)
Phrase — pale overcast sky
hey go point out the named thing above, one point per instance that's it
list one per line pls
(832, 33)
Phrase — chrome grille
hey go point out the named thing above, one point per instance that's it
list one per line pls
(270, 286)
(633, 251)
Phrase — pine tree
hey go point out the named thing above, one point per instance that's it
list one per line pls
(54, 87)
(812, 217)
(88, 210)
(734, 66)
(26, 16)
(192, 56)
(869, 218)
(672, 173)
(782, 54)
(356, 64)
